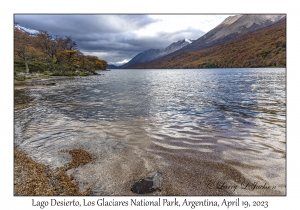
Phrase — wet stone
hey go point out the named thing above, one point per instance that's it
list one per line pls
(50, 84)
(147, 185)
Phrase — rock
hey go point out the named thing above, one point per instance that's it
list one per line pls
(143, 186)
(157, 180)
(51, 84)
(148, 185)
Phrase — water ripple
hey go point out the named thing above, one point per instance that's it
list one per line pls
(193, 126)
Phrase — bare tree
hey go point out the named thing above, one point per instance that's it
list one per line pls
(70, 44)
(47, 45)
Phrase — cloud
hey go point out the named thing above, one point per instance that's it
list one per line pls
(190, 33)
(115, 38)
(116, 57)
(81, 24)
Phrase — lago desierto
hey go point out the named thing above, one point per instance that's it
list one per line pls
(186, 131)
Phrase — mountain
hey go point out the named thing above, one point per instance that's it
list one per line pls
(111, 66)
(265, 47)
(152, 54)
(142, 57)
(28, 31)
(232, 27)
(173, 47)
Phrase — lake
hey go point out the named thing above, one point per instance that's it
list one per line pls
(193, 131)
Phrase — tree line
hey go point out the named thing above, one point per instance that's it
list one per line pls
(53, 55)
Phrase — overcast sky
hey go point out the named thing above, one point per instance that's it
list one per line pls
(118, 38)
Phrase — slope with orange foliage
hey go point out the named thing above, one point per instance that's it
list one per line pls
(261, 48)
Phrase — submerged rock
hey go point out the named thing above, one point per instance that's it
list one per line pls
(50, 84)
(148, 185)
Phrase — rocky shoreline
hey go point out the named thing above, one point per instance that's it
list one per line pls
(35, 179)
(45, 80)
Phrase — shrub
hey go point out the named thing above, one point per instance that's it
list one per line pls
(20, 77)
(57, 73)
(84, 73)
(70, 73)
(37, 66)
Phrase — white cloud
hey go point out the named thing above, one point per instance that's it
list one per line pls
(122, 62)
(173, 23)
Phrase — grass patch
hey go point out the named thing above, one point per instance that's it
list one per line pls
(44, 76)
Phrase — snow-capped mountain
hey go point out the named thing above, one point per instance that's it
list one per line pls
(174, 47)
(29, 31)
(233, 31)
(152, 54)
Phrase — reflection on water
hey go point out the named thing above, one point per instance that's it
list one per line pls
(207, 132)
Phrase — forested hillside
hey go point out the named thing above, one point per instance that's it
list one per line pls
(51, 55)
(261, 48)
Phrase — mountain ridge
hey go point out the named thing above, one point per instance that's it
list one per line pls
(144, 56)
(265, 47)
(232, 27)
(29, 31)
(220, 34)
(152, 54)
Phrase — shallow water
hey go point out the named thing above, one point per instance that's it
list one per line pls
(205, 131)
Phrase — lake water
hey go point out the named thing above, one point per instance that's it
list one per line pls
(200, 131)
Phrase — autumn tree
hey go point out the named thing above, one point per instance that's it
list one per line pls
(92, 63)
(68, 57)
(23, 47)
(68, 52)
(100, 64)
(48, 45)
(61, 53)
